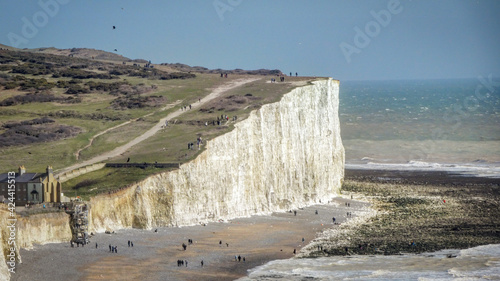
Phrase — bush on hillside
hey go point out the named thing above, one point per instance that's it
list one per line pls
(32, 68)
(106, 87)
(28, 134)
(89, 116)
(75, 89)
(36, 97)
(80, 74)
(177, 75)
(36, 121)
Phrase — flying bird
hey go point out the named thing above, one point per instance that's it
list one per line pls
(114, 27)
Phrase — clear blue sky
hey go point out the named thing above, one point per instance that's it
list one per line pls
(421, 39)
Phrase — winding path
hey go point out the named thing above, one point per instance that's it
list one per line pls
(77, 153)
(122, 149)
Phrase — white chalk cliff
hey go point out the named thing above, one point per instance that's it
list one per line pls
(285, 155)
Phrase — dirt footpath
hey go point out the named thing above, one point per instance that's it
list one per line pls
(122, 149)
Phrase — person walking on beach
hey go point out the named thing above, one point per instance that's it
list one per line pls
(96, 245)
(129, 243)
(201, 263)
(110, 247)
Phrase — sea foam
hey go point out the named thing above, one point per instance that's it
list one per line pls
(479, 263)
(475, 169)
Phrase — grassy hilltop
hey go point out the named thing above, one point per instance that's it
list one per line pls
(54, 102)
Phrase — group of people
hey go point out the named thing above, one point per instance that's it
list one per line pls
(199, 142)
(185, 262)
(282, 77)
(184, 247)
(181, 262)
(185, 107)
(112, 249)
(239, 258)
(221, 119)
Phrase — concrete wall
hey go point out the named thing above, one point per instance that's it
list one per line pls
(80, 171)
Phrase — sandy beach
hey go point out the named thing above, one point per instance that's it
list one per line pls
(258, 239)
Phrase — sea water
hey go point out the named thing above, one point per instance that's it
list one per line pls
(446, 125)
(479, 263)
(429, 125)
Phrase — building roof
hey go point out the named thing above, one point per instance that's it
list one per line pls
(24, 178)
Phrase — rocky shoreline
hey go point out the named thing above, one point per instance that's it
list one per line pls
(416, 212)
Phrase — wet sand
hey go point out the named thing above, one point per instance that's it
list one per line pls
(258, 239)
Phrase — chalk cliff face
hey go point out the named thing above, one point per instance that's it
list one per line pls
(43, 228)
(285, 155)
(34, 229)
(4, 244)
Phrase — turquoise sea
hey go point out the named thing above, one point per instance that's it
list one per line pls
(422, 124)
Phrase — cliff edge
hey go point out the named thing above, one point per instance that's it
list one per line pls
(285, 155)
